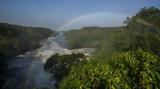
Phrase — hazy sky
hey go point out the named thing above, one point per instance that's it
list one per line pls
(67, 14)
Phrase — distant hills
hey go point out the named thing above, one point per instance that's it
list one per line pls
(141, 31)
(16, 39)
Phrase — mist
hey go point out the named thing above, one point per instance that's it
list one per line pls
(28, 73)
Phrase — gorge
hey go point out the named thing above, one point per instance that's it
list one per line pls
(28, 71)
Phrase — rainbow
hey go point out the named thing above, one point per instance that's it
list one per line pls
(100, 19)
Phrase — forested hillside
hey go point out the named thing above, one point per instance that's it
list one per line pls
(15, 39)
(126, 57)
(141, 31)
(89, 37)
(126, 70)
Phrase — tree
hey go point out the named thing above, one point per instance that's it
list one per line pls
(60, 65)
(128, 70)
(150, 15)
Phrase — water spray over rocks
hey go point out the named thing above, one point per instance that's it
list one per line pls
(29, 70)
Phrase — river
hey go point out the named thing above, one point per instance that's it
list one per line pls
(27, 72)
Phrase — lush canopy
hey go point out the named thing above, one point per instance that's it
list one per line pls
(128, 70)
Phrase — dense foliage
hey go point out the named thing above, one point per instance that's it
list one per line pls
(117, 64)
(60, 65)
(15, 39)
(128, 70)
(151, 15)
(141, 31)
(90, 37)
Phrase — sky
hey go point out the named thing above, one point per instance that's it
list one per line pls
(70, 14)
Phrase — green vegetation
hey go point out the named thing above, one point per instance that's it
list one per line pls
(128, 70)
(15, 39)
(89, 37)
(150, 15)
(141, 31)
(126, 57)
(60, 65)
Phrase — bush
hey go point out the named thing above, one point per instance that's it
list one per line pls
(59, 65)
(128, 70)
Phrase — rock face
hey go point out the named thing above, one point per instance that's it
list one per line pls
(85, 51)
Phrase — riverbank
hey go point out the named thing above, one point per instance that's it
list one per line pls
(28, 69)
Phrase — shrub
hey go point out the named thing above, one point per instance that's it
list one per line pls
(128, 70)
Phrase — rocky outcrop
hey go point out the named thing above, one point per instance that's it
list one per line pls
(51, 47)
(85, 51)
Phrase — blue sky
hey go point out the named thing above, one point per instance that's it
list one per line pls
(58, 14)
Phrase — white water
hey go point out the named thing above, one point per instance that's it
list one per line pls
(28, 69)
